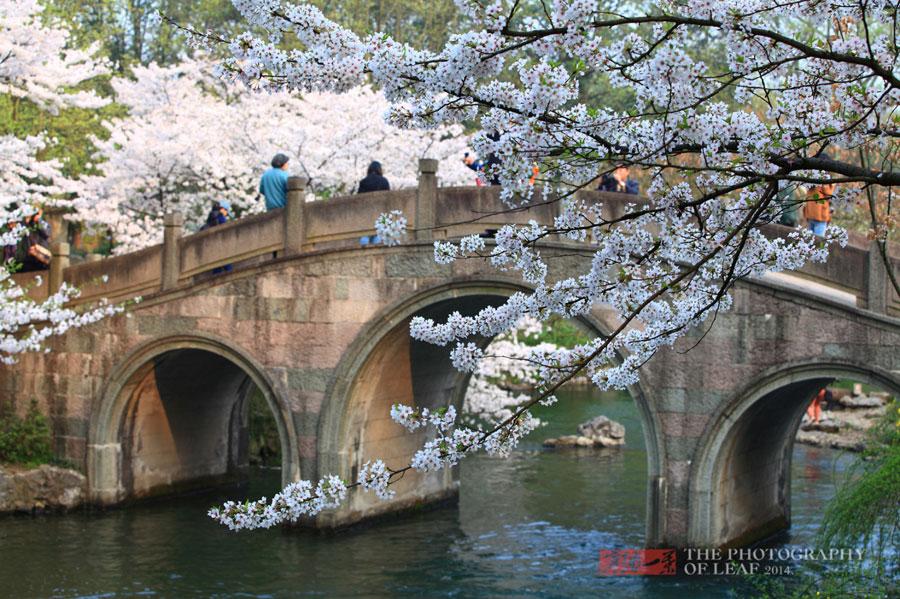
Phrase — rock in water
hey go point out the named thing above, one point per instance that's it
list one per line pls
(825, 426)
(572, 441)
(599, 432)
(603, 430)
(862, 401)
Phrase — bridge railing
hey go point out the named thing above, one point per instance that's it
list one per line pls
(433, 213)
(236, 242)
(857, 269)
(350, 217)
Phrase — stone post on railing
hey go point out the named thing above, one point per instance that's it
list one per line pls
(426, 199)
(171, 255)
(58, 263)
(876, 280)
(59, 226)
(294, 224)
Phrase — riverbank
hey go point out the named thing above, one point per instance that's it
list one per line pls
(42, 489)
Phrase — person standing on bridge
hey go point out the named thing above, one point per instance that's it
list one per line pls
(817, 209)
(814, 410)
(375, 179)
(619, 181)
(273, 185)
(218, 216)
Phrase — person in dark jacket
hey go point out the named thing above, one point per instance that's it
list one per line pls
(218, 216)
(492, 162)
(374, 180)
(788, 204)
(32, 253)
(619, 182)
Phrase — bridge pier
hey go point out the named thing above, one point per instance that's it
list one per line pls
(104, 469)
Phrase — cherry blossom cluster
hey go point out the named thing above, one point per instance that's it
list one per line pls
(391, 227)
(414, 418)
(26, 180)
(376, 476)
(26, 325)
(792, 89)
(507, 363)
(289, 505)
(191, 139)
(38, 63)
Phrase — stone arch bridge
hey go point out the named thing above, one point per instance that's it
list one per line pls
(156, 402)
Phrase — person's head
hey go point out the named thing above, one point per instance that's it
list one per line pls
(375, 169)
(12, 207)
(621, 173)
(223, 206)
(36, 213)
(279, 161)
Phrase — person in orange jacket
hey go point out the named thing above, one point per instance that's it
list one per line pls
(817, 209)
(814, 410)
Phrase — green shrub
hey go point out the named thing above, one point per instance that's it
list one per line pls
(26, 440)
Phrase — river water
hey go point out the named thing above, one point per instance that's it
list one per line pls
(530, 525)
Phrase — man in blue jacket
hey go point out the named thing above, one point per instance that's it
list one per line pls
(273, 184)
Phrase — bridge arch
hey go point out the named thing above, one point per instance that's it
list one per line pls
(378, 351)
(740, 480)
(203, 368)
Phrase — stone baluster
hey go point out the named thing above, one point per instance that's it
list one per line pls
(294, 222)
(59, 262)
(59, 226)
(171, 255)
(876, 281)
(426, 199)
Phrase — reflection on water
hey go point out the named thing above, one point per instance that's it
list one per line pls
(531, 525)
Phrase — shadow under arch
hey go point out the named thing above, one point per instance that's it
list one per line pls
(337, 447)
(740, 481)
(107, 465)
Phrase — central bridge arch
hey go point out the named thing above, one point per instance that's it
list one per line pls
(384, 365)
(741, 480)
(171, 417)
